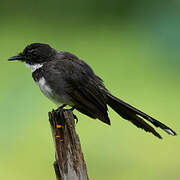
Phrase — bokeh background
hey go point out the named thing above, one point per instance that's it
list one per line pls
(133, 45)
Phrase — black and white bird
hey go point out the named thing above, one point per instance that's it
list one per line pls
(67, 80)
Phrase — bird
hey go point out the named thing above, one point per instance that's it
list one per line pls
(67, 80)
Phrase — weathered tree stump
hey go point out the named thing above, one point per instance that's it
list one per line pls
(69, 164)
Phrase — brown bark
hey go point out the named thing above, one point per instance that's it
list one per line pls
(69, 164)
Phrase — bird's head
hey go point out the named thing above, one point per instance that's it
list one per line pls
(35, 53)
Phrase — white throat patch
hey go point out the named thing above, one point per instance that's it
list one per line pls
(33, 67)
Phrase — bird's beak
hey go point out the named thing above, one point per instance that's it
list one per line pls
(18, 57)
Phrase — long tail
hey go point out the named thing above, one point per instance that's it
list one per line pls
(135, 116)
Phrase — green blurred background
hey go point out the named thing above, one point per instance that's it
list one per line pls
(133, 45)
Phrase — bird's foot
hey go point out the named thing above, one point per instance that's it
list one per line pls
(60, 111)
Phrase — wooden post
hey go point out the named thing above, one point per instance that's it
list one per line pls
(69, 164)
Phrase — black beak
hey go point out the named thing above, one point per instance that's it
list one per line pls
(18, 57)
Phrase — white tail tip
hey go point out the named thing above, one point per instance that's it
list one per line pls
(170, 132)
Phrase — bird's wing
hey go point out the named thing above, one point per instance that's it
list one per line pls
(82, 86)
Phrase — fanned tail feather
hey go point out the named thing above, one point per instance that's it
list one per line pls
(135, 116)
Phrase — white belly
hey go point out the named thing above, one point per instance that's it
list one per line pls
(48, 92)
